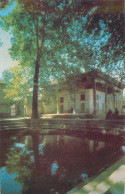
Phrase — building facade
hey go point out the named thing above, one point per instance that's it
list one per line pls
(84, 102)
(87, 95)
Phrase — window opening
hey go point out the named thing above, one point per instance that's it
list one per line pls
(61, 99)
(82, 98)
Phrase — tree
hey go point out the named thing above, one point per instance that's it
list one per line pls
(18, 83)
(35, 27)
(111, 13)
(30, 36)
(3, 4)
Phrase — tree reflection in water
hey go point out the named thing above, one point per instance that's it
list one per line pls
(56, 164)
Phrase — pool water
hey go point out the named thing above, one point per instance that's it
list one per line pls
(34, 163)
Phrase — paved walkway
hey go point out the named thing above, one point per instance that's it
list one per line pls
(111, 181)
(14, 118)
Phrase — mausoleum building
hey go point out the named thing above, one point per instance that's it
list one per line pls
(87, 93)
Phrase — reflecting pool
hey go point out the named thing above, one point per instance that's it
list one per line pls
(35, 163)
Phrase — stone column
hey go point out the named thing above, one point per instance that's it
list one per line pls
(94, 97)
(58, 109)
(106, 100)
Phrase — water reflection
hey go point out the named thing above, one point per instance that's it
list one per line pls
(9, 183)
(50, 164)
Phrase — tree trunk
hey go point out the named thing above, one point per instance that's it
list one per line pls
(35, 114)
(94, 97)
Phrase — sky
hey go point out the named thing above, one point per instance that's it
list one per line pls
(5, 59)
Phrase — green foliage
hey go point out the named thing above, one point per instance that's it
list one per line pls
(18, 161)
(3, 3)
(18, 83)
(111, 13)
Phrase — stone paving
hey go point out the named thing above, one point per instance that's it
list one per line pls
(111, 181)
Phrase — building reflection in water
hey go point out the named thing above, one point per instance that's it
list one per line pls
(49, 164)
